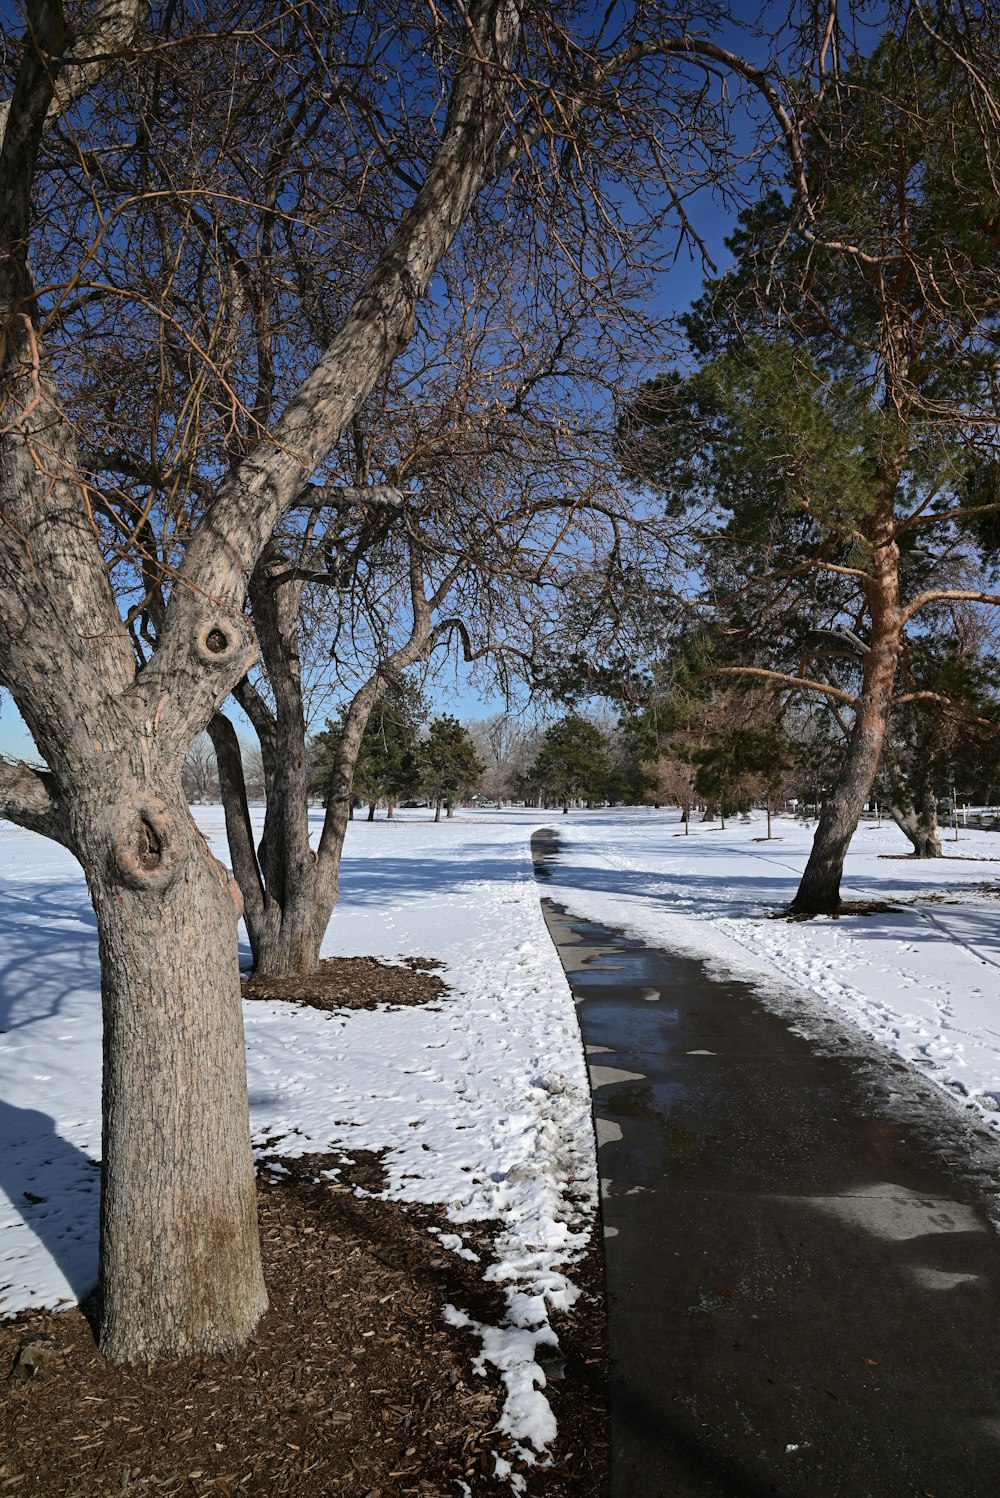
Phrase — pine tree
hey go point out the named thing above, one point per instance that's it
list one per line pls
(450, 768)
(845, 371)
(573, 761)
(388, 765)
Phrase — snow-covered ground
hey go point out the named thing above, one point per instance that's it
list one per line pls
(480, 1102)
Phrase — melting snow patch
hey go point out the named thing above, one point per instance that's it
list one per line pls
(454, 1244)
(526, 1416)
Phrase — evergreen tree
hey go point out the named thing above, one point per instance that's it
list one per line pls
(388, 766)
(934, 745)
(743, 767)
(573, 761)
(848, 368)
(450, 768)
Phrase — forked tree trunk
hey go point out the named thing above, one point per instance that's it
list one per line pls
(819, 890)
(920, 825)
(180, 1269)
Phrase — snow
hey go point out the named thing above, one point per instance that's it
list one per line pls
(479, 1102)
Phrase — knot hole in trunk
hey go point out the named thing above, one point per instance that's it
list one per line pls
(219, 641)
(147, 849)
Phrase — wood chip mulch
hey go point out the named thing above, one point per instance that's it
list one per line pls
(353, 1384)
(354, 983)
(845, 908)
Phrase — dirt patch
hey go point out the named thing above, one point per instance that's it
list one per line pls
(353, 1384)
(355, 983)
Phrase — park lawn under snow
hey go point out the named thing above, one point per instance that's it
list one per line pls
(479, 1102)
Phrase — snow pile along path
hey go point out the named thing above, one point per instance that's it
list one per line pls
(478, 1102)
(923, 980)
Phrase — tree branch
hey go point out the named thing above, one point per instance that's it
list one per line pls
(945, 595)
(106, 36)
(29, 798)
(248, 506)
(949, 702)
(800, 683)
(343, 496)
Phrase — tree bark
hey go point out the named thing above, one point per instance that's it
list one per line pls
(180, 1269)
(919, 825)
(239, 831)
(819, 890)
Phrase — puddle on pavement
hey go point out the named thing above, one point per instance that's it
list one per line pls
(609, 968)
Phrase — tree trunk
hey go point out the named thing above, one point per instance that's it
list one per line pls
(819, 890)
(920, 827)
(390, 811)
(180, 1268)
(371, 811)
(292, 939)
(437, 811)
(449, 808)
(299, 886)
(239, 830)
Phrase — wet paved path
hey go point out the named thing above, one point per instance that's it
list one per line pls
(803, 1282)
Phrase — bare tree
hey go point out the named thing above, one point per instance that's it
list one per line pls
(507, 747)
(505, 505)
(180, 1262)
(199, 774)
(132, 467)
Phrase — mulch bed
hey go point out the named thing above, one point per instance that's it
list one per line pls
(354, 983)
(845, 908)
(353, 1384)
